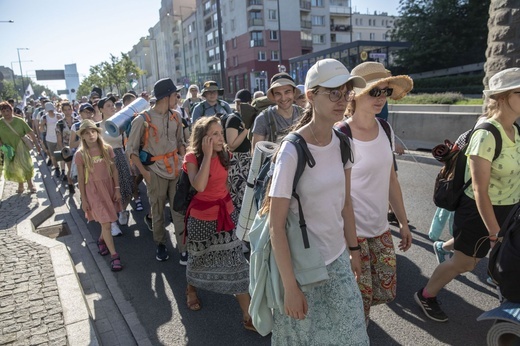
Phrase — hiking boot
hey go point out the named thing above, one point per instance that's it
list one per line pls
(430, 307)
(114, 228)
(161, 253)
(148, 222)
(440, 253)
(184, 259)
(123, 217)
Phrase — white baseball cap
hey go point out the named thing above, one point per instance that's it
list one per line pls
(49, 107)
(505, 80)
(330, 73)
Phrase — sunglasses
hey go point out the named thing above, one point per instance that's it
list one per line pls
(335, 95)
(376, 92)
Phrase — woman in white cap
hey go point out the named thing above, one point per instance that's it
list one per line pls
(374, 183)
(331, 313)
(495, 189)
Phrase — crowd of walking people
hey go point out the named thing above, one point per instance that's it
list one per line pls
(345, 205)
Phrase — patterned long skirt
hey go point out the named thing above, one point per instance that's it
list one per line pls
(237, 177)
(215, 259)
(335, 314)
(125, 177)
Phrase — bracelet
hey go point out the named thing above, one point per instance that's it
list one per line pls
(354, 248)
(117, 187)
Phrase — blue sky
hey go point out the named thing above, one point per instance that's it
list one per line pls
(60, 32)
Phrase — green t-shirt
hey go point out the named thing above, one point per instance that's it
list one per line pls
(7, 136)
(504, 182)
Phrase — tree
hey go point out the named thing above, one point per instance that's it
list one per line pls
(443, 33)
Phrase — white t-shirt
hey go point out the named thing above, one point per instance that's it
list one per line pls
(51, 127)
(370, 184)
(322, 194)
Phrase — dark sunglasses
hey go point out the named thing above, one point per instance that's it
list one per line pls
(376, 92)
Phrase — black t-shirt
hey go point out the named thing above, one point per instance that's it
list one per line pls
(235, 122)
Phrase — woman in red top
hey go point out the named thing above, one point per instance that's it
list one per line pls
(215, 259)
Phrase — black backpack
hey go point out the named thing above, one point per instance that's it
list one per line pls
(304, 158)
(344, 127)
(450, 184)
(184, 191)
(504, 259)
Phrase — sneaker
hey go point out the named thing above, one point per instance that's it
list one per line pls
(71, 189)
(57, 172)
(161, 253)
(430, 307)
(184, 259)
(440, 253)
(114, 228)
(63, 175)
(491, 282)
(123, 217)
(148, 222)
(49, 162)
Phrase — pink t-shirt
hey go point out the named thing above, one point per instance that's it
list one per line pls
(215, 189)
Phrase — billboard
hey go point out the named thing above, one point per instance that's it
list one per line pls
(50, 74)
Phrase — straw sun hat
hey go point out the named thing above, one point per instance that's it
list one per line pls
(88, 124)
(375, 73)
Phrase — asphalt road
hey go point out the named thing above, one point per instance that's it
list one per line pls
(157, 289)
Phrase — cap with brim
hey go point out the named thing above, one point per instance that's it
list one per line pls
(101, 103)
(211, 86)
(331, 73)
(86, 106)
(88, 124)
(375, 73)
(243, 95)
(279, 80)
(503, 81)
(49, 107)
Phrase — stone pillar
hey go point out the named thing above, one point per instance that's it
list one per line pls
(503, 44)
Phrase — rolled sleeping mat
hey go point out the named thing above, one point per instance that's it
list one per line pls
(506, 329)
(249, 209)
(66, 154)
(120, 121)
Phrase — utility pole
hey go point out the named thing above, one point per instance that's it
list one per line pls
(221, 46)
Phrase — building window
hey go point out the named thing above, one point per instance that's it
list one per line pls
(234, 42)
(272, 15)
(190, 28)
(235, 61)
(232, 25)
(261, 55)
(231, 88)
(273, 35)
(246, 81)
(237, 83)
(372, 36)
(274, 55)
(317, 3)
(318, 39)
(318, 20)
(257, 39)
(358, 36)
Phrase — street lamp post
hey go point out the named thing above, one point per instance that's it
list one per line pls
(21, 73)
(12, 70)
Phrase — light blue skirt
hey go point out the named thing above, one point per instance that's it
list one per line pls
(335, 315)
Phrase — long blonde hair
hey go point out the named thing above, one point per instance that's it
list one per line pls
(87, 158)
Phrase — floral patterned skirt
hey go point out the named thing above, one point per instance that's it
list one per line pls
(215, 259)
(335, 315)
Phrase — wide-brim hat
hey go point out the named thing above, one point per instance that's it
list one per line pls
(375, 73)
(281, 79)
(88, 124)
(508, 79)
(331, 73)
(164, 88)
(211, 86)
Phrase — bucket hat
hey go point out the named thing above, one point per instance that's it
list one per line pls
(164, 88)
(211, 86)
(281, 79)
(375, 73)
(331, 73)
(505, 80)
(88, 124)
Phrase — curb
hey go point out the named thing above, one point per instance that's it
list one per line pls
(76, 315)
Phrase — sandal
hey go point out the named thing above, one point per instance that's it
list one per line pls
(249, 325)
(102, 248)
(139, 205)
(32, 190)
(19, 190)
(193, 304)
(115, 264)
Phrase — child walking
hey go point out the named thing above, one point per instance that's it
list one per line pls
(99, 186)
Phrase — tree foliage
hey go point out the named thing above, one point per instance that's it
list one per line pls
(8, 91)
(112, 75)
(443, 33)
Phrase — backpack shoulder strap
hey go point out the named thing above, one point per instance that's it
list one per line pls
(344, 144)
(344, 128)
(496, 133)
(386, 128)
(271, 122)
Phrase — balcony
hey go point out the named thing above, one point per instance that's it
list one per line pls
(305, 5)
(339, 10)
(257, 43)
(255, 22)
(306, 24)
(306, 43)
(340, 27)
(208, 27)
(255, 4)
